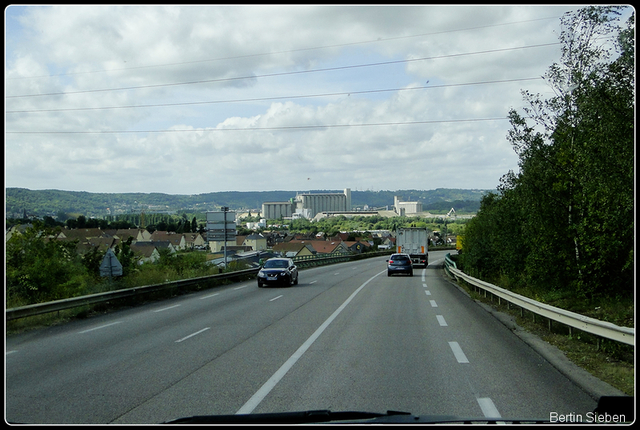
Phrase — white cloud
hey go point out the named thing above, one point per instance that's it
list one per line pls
(259, 59)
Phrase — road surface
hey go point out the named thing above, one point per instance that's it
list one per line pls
(346, 338)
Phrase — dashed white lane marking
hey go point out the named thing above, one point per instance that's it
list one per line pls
(488, 408)
(433, 303)
(266, 388)
(167, 308)
(424, 285)
(193, 334)
(428, 293)
(102, 326)
(276, 298)
(441, 321)
(457, 352)
(210, 295)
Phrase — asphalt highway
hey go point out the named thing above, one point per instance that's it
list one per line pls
(346, 338)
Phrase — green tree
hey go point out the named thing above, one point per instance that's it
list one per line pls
(573, 196)
(39, 268)
(126, 256)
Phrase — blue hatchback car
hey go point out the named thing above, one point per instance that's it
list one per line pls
(399, 263)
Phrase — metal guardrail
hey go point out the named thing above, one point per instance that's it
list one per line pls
(603, 329)
(58, 305)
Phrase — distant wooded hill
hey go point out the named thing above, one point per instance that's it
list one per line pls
(20, 201)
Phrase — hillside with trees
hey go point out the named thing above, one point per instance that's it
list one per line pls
(63, 204)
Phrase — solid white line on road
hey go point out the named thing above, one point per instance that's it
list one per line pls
(164, 309)
(276, 298)
(193, 334)
(102, 326)
(457, 351)
(266, 388)
(428, 293)
(441, 320)
(210, 295)
(488, 408)
(433, 303)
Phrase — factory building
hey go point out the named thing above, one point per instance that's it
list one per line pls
(403, 208)
(307, 205)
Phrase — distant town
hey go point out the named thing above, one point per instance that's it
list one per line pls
(58, 204)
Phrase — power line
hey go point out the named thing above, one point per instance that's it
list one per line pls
(297, 72)
(280, 128)
(340, 45)
(259, 99)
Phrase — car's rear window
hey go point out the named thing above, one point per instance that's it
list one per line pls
(399, 257)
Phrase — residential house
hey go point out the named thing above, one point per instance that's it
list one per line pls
(102, 243)
(17, 230)
(80, 234)
(138, 234)
(195, 241)
(357, 246)
(325, 246)
(291, 250)
(147, 251)
(256, 241)
(177, 239)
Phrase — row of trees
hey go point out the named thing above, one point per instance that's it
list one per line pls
(565, 222)
(331, 226)
(152, 222)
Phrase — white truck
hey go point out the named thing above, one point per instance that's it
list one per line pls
(415, 242)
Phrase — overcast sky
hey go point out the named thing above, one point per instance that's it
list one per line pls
(198, 99)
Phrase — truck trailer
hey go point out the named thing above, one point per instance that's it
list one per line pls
(415, 242)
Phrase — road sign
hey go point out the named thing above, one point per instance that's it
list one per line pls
(110, 265)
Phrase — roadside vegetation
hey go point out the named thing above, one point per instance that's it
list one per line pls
(561, 231)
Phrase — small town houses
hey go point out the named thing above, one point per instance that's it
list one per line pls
(144, 244)
(147, 246)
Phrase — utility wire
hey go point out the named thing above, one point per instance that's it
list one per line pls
(340, 45)
(273, 98)
(281, 128)
(328, 69)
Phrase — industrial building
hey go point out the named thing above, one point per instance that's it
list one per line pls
(403, 208)
(307, 205)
